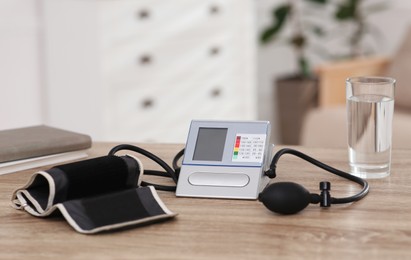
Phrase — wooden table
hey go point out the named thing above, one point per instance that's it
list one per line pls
(378, 227)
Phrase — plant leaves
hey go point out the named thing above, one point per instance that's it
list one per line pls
(318, 1)
(347, 10)
(268, 34)
(280, 15)
(304, 67)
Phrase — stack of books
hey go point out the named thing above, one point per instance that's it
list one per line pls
(35, 146)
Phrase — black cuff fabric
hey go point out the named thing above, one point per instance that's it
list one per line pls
(94, 195)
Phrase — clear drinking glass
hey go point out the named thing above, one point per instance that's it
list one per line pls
(370, 110)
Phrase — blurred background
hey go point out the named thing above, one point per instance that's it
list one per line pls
(141, 70)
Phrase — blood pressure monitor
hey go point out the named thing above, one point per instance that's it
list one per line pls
(225, 159)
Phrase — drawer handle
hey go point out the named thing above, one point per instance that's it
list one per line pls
(143, 14)
(147, 103)
(145, 59)
(214, 51)
(215, 93)
(214, 9)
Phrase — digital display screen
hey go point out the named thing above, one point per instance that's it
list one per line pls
(210, 144)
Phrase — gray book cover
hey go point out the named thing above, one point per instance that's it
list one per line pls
(35, 141)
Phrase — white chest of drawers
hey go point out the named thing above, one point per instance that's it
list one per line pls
(141, 70)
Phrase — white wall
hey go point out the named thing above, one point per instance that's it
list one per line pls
(20, 70)
(275, 60)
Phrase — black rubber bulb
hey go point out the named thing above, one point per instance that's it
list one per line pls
(285, 197)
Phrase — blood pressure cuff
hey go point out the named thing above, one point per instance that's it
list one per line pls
(94, 195)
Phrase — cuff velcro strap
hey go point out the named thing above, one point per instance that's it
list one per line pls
(91, 210)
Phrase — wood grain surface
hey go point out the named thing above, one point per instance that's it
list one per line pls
(378, 227)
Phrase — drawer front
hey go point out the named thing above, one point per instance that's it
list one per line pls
(168, 62)
(159, 20)
(140, 114)
(155, 64)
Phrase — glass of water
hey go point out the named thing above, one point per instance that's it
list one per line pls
(370, 109)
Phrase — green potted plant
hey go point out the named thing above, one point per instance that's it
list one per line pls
(358, 58)
(355, 13)
(297, 92)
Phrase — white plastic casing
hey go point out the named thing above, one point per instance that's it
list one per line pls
(225, 159)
